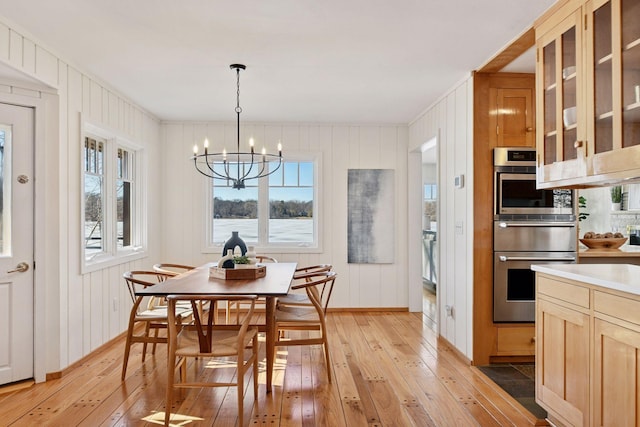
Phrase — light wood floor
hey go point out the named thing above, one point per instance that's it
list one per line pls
(389, 371)
(429, 307)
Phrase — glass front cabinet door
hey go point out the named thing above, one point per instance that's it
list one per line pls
(588, 93)
(613, 85)
(561, 107)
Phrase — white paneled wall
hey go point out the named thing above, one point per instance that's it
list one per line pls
(82, 311)
(342, 147)
(451, 121)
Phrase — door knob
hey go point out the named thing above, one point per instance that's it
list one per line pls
(20, 268)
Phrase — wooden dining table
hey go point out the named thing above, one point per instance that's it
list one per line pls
(275, 283)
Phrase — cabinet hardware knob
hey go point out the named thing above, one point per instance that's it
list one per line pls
(529, 129)
(577, 144)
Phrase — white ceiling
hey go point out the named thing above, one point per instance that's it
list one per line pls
(357, 61)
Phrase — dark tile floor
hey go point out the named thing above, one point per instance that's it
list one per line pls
(519, 381)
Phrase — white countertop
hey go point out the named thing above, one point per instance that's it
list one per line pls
(621, 277)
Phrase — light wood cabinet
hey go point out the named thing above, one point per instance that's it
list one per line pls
(515, 340)
(587, 353)
(562, 362)
(616, 374)
(515, 116)
(588, 93)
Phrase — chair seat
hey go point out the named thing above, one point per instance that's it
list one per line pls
(297, 314)
(294, 299)
(224, 342)
(160, 313)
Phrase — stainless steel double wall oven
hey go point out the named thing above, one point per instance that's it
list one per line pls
(531, 226)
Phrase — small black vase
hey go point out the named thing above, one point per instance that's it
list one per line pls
(234, 241)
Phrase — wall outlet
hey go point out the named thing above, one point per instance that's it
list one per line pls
(449, 310)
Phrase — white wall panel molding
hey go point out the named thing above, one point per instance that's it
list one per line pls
(342, 147)
(83, 311)
(451, 120)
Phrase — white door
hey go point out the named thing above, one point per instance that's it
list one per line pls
(16, 243)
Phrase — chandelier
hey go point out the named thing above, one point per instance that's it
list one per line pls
(238, 166)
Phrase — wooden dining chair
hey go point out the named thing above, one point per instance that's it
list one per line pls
(261, 303)
(172, 269)
(303, 274)
(154, 316)
(203, 340)
(265, 258)
(308, 318)
(169, 269)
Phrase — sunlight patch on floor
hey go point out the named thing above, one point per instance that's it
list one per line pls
(279, 366)
(175, 420)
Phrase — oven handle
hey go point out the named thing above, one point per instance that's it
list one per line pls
(504, 258)
(536, 224)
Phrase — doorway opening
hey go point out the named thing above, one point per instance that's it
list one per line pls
(430, 233)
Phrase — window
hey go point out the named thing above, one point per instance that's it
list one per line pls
(93, 196)
(112, 206)
(277, 212)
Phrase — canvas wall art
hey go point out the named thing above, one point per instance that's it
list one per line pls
(370, 223)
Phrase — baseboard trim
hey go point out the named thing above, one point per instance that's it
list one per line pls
(56, 375)
(445, 343)
(367, 309)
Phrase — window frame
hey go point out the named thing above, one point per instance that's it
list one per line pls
(111, 254)
(263, 246)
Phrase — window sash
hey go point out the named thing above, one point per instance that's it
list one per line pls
(264, 223)
(94, 198)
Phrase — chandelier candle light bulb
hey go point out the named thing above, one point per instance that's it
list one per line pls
(244, 165)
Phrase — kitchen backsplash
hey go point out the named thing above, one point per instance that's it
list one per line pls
(602, 219)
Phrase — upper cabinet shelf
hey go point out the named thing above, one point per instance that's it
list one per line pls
(588, 96)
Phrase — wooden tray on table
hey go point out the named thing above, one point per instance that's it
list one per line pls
(244, 273)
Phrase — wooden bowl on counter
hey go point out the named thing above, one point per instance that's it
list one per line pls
(604, 243)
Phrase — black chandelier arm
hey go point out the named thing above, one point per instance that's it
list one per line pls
(214, 174)
(266, 163)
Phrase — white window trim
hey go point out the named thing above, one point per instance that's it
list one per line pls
(274, 248)
(112, 255)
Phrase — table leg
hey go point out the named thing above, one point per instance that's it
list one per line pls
(270, 313)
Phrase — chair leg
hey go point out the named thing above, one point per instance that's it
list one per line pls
(254, 351)
(127, 350)
(240, 384)
(146, 338)
(171, 366)
(155, 339)
(327, 360)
